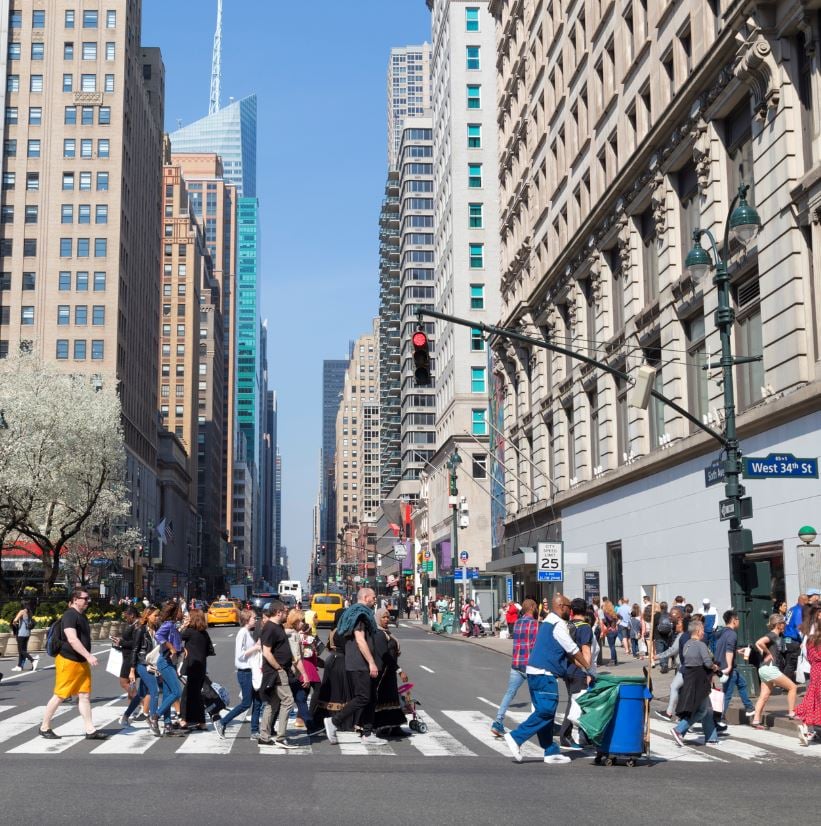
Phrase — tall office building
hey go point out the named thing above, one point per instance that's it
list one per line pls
(357, 436)
(81, 208)
(390, 430)
(212, 200)
(333, 380)
(409, 91)
(231, 133)
(416, 289)
(465, 221)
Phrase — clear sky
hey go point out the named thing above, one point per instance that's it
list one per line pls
(319, 71)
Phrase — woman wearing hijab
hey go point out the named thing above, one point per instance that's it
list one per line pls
(333, 692)
(388, 714)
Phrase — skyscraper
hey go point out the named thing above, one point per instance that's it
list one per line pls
(81, 208)
(409, 91)
(231, 133)
(333, 380)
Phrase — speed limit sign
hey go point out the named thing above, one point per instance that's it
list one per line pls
(550, 561)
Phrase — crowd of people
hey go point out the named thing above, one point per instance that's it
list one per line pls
(165, 649)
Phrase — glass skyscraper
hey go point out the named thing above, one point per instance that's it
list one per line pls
(232, 134)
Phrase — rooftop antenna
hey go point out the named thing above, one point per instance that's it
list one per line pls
(216, 64)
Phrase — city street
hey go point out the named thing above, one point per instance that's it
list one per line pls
(454, 770)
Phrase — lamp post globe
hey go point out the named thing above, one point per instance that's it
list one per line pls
(807, 534)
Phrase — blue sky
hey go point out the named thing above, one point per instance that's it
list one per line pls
(319, 71)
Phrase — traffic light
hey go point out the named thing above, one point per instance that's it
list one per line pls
(464, 513)
(419, 558)
(421, 358)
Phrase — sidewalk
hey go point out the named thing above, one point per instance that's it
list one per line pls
(775, 715)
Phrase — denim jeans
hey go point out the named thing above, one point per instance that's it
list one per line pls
(514, 683)
(705, 715)
(249, 699)
(301, 703)
(171, 688)
(138, 697)
(611, 641)
(149, 680)
(737, 681)
(544, 693)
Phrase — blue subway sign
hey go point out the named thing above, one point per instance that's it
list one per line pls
(779, 466)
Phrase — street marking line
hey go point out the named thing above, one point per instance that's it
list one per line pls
(209, 742)
(4, 709)
(13, 726)
(478, 724)
(492, 705)
(773, 740)
(351, 743)
(45, 667)
(668, 749)
(427, 669)
(437, 742)
(129, 740)
(72, 732)
(295, 735)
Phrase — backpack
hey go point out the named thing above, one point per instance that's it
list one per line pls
(54, 638)
(665, 626)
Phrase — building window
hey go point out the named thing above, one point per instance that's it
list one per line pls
(33, 148)
(110, 51)
(81, 282)
(32, 213)
(29, 247)
(477, 380)
(479, 461)
(472, 57)
(29, 280)
(477, 340)
(87, 116)
(475, 175)
(649, 256)
(65, 247)
(32, 181)
(10, 147)
(68, 51)
(108, 83)
(89, 19)
(12, 115)
(84, 214)
(478, 421)
(37, 50)
(100, 214)
(474, 92)
(83, 247)
(86, 148)
(63, 315)
(477, 296)
(99, 282)
(97, 349)
(9, 180)
(68, 83)
(103, 148)
(66, 214)
(697, 390)
(79, 349)
(739, 143)
(6, 214)
(14, 51)
(88, 83)
(475, 217)
(81, 315)
(36, 115)
(69, 19)
(111, 19)
(474, 136)
(98, 315)
(102, 181)
(100, 247)
(12, 83)
(749, 342)
(36, 83)
(471, 19)
(477, 256)
(89, 51)
(69, 148)
(61, 351)
(104, 118)
(85, 182)
(64, 281)
(38, 19)
(70, 115)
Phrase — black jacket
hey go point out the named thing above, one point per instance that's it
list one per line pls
(143, 643)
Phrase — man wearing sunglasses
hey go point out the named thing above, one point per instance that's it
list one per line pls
(72, 667)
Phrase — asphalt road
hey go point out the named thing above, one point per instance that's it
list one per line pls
(454, 773)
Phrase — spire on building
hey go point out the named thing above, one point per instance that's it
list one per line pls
(216, 64)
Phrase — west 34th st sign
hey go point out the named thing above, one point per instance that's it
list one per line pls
(779, 466)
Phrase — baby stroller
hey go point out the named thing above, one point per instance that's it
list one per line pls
(409, 704)
(215, 698)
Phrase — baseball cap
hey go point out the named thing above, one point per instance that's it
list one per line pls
(705, 601)
(814, 592)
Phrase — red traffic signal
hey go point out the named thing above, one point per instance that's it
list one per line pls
(421, 359)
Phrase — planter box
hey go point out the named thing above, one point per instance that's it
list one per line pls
(4, 638)
(11, 647)
(37, 642)
(96, 630)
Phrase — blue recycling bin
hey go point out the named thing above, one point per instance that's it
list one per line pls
(624, 736)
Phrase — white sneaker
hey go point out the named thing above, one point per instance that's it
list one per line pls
(514, 747)
(372, 740)
(330, 730)
(803, 735)
(17, 668)
(557, 758)
(123, 721)
(35, 662)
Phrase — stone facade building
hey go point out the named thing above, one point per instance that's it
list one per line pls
(623, 126)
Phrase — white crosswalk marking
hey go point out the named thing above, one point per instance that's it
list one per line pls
(72, 732)
(770, 739)
(436, 742)
(667, 748)
(4, 709)
(129, 740)
(13, 726)
(351, 743)
(478, 724)
(209, 742)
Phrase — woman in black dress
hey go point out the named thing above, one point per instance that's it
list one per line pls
(198, 647)
(388, 713)
(333, 692)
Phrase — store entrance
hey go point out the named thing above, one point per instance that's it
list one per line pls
(757, 586)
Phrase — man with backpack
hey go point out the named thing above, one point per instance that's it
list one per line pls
(72, 666)
(663, 629)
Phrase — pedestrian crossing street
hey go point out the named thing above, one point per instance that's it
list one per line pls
(451, 733)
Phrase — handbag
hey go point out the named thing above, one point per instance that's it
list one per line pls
(115, 662)
(256, 671)
(717, 700)
(152, 658)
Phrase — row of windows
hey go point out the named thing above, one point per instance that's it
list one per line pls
(87, 115)
(90, 19)
(80, 349)
(81, 281)
(83, 247)
(83, 180)
(88, 83)
(33, 147)
(81, 315)
(88, 50)
(83, 214)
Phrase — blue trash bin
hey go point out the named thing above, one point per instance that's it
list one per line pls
(624, 737)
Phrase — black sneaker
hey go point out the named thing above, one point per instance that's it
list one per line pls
(49, 734)
(664, 716)
(96, 735)
(154, 725)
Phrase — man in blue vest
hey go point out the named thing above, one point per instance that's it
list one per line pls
(552, 652)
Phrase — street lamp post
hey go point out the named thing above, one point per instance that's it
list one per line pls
(453, 463)
(743, 221)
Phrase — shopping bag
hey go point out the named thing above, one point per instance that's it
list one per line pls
(115, 662)
(256, 671)
(642, 646)
(717, 700)
(504, 634)
(575, 713)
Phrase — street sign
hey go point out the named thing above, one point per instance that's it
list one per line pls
(427, 554)
(714, 473)
(509, 587)
(550, 561)
(428, 566)
(407, 572)
(779, 466)
(473, 573)
(592, 586)
(464, 556)
(400, 551)
(727, 509)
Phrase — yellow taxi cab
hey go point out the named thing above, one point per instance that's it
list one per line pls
(325, 606)
(222, 612)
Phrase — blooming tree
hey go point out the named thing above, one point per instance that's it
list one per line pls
(62, 460)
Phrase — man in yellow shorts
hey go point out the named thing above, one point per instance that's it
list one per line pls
(73, 667)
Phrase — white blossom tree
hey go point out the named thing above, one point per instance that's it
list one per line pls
(62, 461)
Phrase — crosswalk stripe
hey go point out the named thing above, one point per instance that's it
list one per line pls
(351, 743)
(72, 733)
(436, 742)
(4, 709)
(657, 727)
(14, 726)
(209, 742)
(667, 750)
(478, 724)
(296, 736)
(129, 740)
(772, 739)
